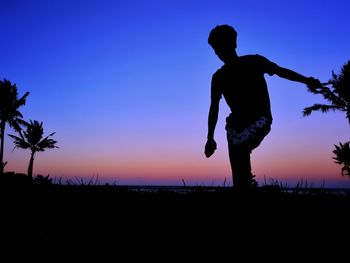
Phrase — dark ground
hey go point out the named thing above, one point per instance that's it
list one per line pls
(57, 223)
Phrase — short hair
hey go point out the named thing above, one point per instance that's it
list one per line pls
(222, 34)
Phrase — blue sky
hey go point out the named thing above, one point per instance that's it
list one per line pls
(126, 85)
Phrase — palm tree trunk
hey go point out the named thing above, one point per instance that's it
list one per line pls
(2, 139)
(30, 167)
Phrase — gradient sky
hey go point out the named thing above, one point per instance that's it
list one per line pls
(126, 86)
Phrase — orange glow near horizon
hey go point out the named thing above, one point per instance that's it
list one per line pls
(193, 169)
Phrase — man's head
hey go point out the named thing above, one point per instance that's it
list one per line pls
(223, 39)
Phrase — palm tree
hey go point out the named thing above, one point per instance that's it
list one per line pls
(342, 156)
(9, 112)
(338, 95)
(32, 138)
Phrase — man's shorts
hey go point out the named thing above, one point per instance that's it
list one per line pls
(251, 136)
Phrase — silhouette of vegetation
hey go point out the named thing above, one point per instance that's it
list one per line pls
(42, 180)
(338, 94)
(9, 112)
(13, 178)
(94, 180)
(33, 139)
(21, 179)
(65, 222)
(342, 156)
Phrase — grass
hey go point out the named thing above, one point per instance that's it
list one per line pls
(84, 220)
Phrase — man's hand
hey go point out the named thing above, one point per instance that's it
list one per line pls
(210, 147)
(313, 83)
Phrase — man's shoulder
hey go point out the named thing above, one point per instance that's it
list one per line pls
(255, 57)
(218, 73)
(259, 62)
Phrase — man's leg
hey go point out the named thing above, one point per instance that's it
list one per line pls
(240, 145)
(241, 168)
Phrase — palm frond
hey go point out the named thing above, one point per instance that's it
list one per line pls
(327, 93)
(341, 82)
(23, 122)
(22, 101)
(319, 107)
(342, 156)
(338, 95)
(19, 142)
(46, 143)
(331, 95)
(16, 126)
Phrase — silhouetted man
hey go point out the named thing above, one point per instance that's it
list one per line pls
(241, 81)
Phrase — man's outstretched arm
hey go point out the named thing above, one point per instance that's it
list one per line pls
(210, 146)
(294, 76)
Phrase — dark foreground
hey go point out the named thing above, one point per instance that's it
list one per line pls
(57, 223)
